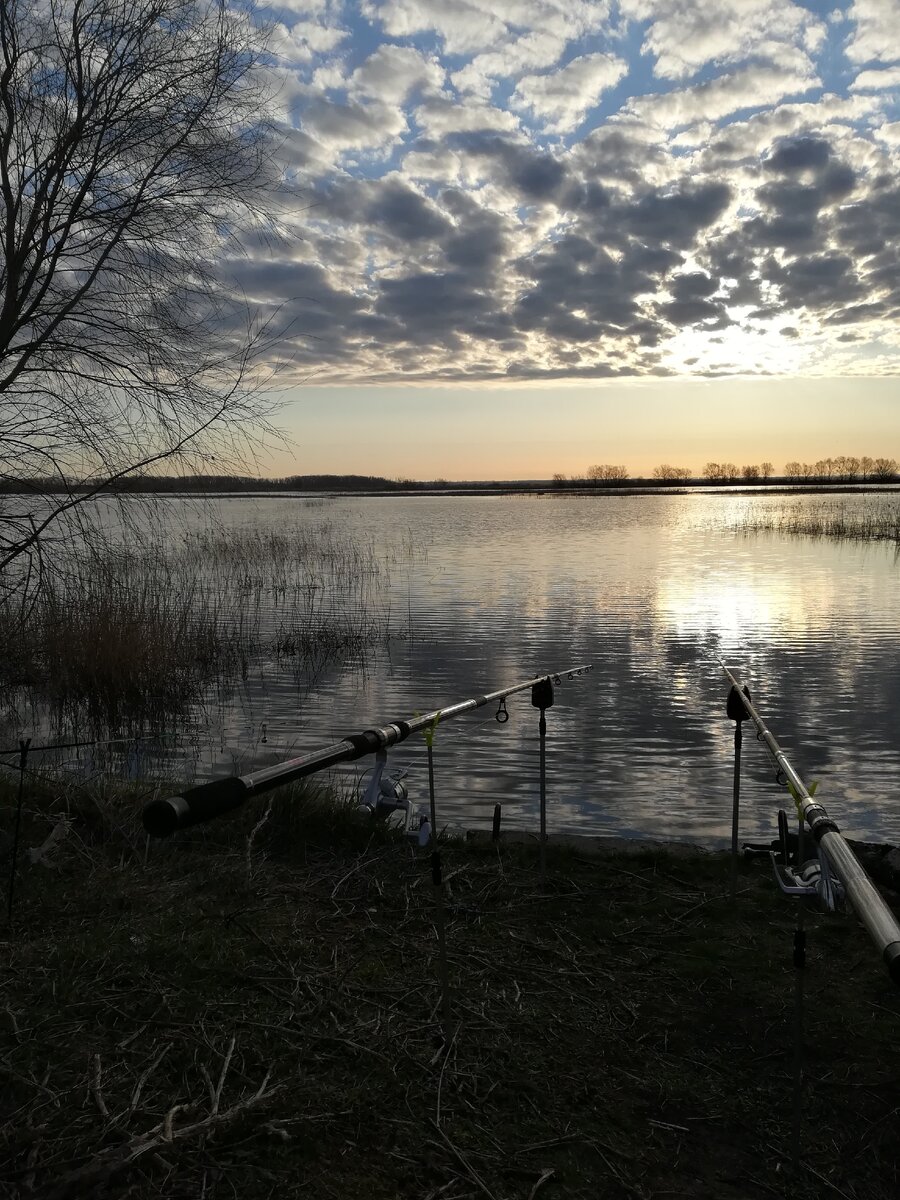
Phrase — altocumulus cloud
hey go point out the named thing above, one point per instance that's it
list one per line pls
(539, 189)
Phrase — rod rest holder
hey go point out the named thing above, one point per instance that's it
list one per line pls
(734, 705)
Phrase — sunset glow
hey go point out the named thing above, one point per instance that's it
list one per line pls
(626, 198)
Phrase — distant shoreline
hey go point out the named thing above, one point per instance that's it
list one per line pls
(234, 488)
(702, 489)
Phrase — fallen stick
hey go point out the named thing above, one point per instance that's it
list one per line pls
(120, 1158)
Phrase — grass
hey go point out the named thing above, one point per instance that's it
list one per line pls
(111, 641)
(869, 522)
(121, 639)
(176, 1024)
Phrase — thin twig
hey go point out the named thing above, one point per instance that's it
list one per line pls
(96, 1089)
(139, 1086)
(546, 1174)
(437, 1115)
(470, 1170)
(218, 1093)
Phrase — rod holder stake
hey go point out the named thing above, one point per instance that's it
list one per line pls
(734, 707)
(542, 698)
(24, 743)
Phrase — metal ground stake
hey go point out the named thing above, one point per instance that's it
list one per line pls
(23, 759)
(734, 707)
(542, 698)
(495, 828)
(438, 888)
(799, 971)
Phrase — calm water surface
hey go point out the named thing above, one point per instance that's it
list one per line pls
(649, 590)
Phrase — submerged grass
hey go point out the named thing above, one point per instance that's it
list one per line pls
(226, 1017)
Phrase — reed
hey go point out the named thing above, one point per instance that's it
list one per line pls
(124, 637)
(114, 641)
(872, 522)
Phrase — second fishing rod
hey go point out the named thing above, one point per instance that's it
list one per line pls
(881, 924)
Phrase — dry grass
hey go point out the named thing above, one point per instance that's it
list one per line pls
(114, 644)
(172, 1028)
(874, 522)
(123, 639)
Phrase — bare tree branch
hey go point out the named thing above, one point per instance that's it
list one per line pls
(132, 150)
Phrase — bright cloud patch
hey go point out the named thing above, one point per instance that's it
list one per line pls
(876, 33)
(877, 81)
(749, 87)
(392, 72)
(686, 35)
(535, 189)
(561, 99)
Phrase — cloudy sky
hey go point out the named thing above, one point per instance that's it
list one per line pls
(526, 236)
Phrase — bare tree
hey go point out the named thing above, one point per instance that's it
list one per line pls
(826, 468)
(766, 470)
(132, 145)
(793, 469)
(750, 472)
(559, 479)
(666, 473)
(846, 466)
(724, 472)
(866, 466)
(884, 468)
(607, 473)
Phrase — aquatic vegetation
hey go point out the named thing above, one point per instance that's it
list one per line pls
(124, 636)
(870, 521)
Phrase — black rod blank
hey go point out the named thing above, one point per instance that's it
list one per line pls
(163, 817)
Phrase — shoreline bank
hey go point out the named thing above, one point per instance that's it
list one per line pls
(256, 1007)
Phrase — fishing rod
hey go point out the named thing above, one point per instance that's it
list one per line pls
(880, 922)
(163, 817)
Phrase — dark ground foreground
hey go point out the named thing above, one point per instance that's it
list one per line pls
(171, 1028)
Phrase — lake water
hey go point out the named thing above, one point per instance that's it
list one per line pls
(649, 589)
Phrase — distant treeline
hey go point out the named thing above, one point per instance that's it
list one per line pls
(247, 483)
(222, 483)
(285, 483)
(844, 468)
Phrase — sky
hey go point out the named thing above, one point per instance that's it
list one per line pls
(531, 236)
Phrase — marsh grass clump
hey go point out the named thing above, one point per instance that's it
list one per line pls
(175, 1024)
(117, 639)
(272, 555)
(873, 520)
(121, 636)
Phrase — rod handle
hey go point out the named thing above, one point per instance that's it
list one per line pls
(163, 817)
